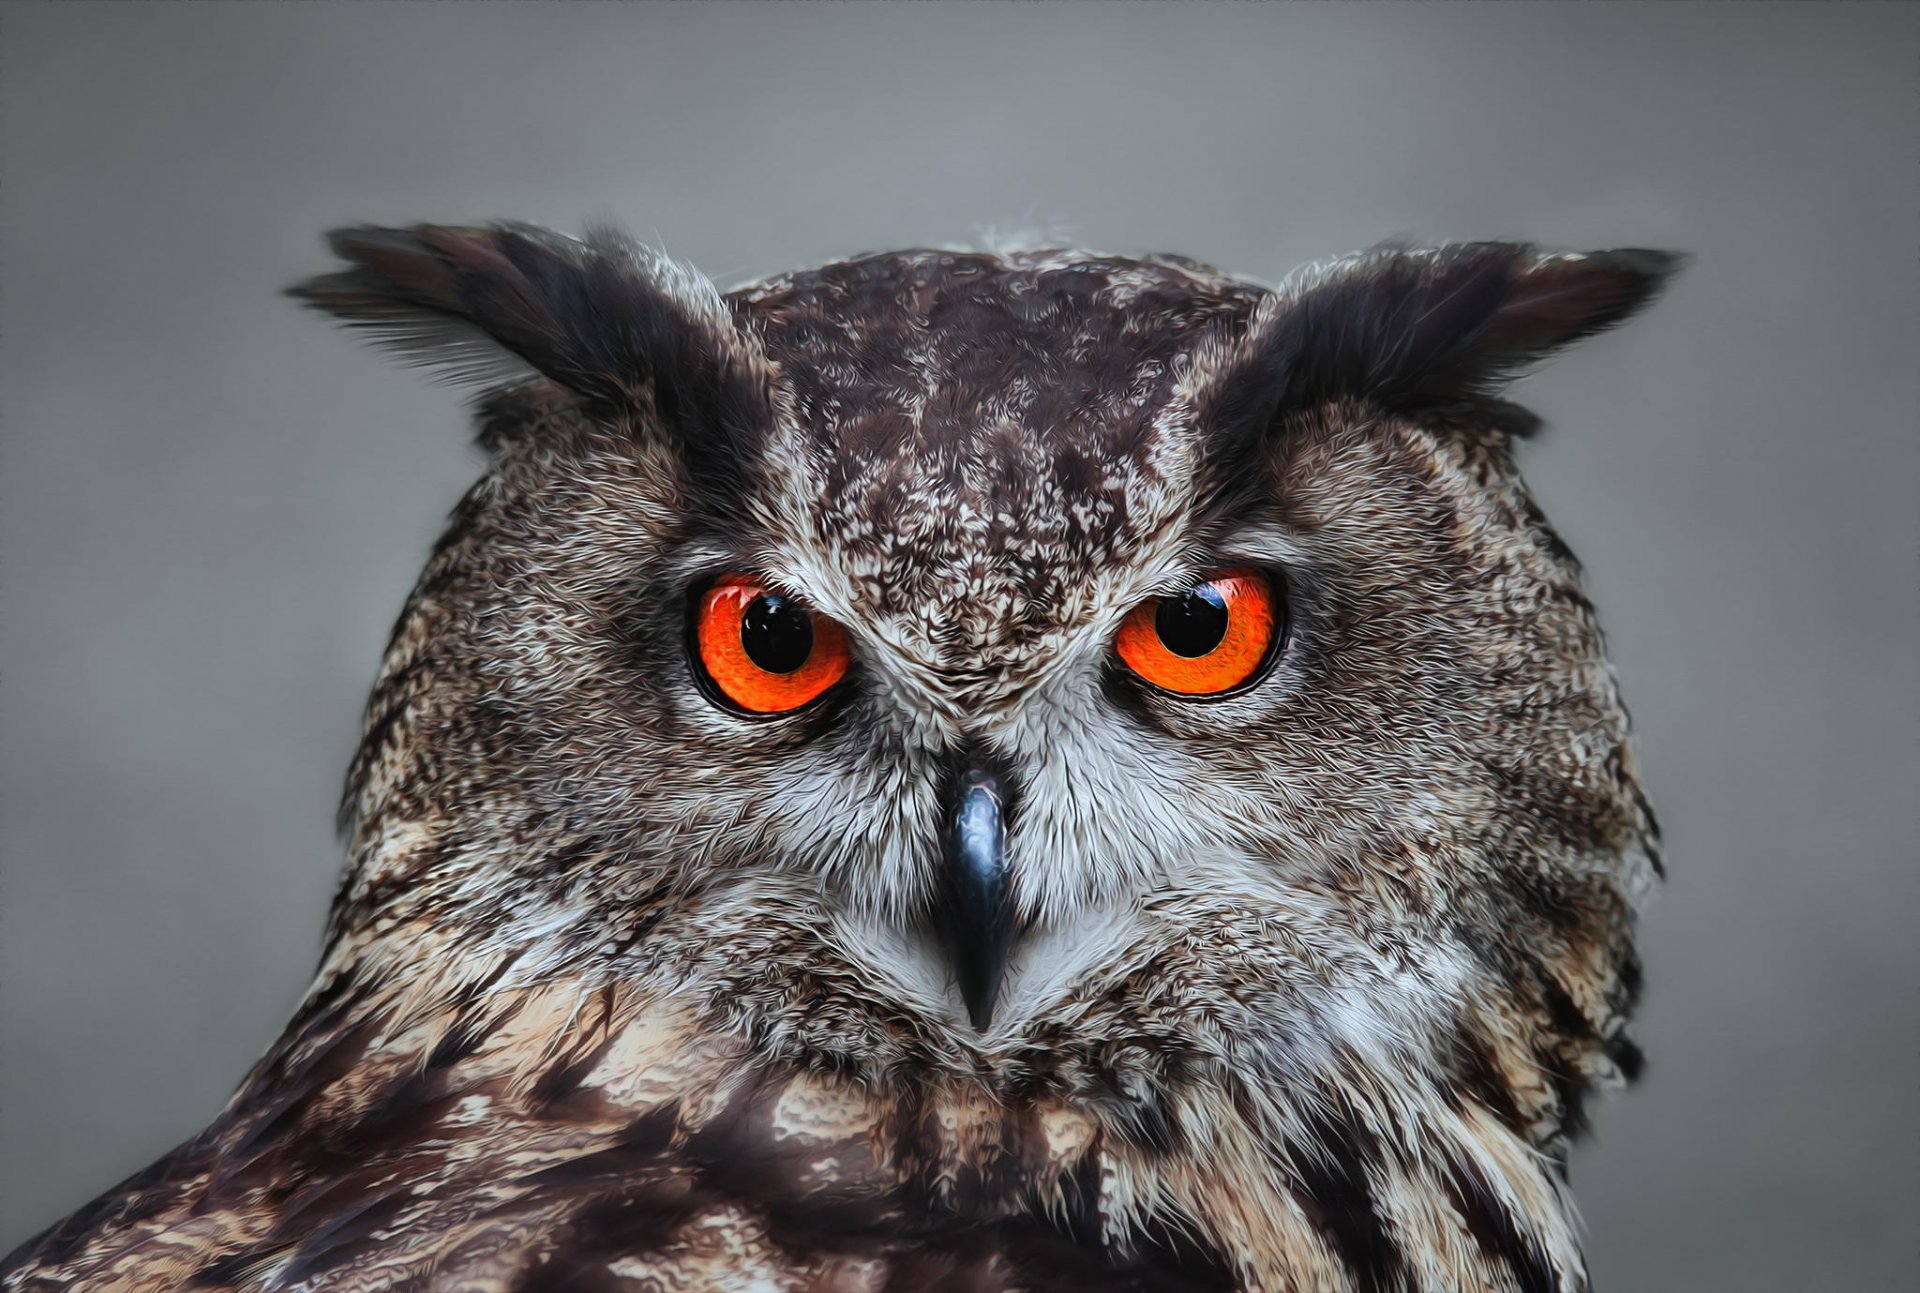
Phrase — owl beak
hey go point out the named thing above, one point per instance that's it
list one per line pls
(973, 913)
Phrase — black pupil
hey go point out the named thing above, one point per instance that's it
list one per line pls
(777, 634)
(1193, 623)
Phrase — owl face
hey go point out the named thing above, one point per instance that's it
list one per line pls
(1012, 664)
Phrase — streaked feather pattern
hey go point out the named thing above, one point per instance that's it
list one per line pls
(623, 992)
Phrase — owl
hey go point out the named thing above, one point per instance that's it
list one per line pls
(953, 771)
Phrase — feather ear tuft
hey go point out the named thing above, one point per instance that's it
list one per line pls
(404, 291)
(1434, 331)
(602, 317)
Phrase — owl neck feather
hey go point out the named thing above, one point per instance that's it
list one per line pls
(1188, 1150)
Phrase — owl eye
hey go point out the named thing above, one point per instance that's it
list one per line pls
(763, 650)
(1206, 640)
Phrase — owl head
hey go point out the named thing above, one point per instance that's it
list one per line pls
(1076, 673)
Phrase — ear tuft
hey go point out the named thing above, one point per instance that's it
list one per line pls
(602, 317)
(405, 290)
(1441, 330)
(1562, 299)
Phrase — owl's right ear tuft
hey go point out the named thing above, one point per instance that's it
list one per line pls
(608, 320)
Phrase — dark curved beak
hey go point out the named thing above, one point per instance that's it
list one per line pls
(972, 910)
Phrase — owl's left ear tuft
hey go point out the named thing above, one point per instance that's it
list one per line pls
(606, 319)
(1436, 331)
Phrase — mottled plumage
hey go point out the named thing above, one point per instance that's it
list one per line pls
(1304, 984)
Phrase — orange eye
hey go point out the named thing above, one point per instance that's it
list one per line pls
(1207, 640)
(765, 651)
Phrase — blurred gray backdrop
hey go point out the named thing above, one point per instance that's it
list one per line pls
(214, 504)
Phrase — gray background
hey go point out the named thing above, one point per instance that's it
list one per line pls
(213, 505)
